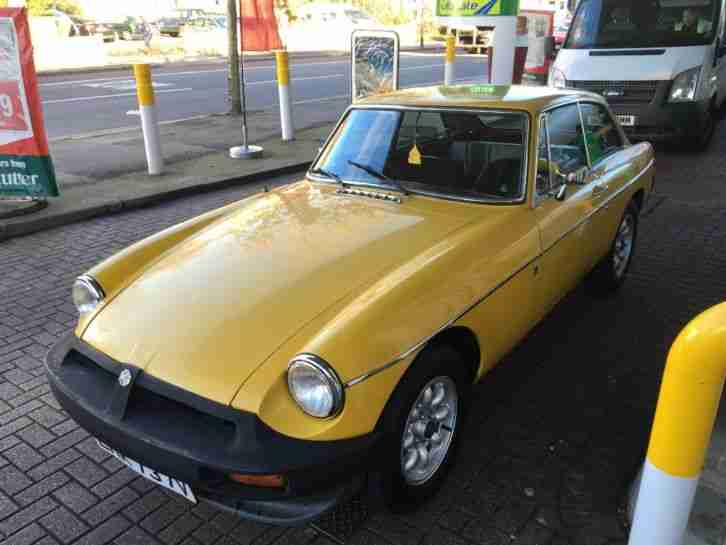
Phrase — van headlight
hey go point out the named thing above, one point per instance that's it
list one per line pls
(315, 386)
(557, 78)
(87, 294)
(685, 86)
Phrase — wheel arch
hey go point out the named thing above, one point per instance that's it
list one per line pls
(464, 341)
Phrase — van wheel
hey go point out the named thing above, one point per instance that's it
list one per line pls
(422, 424)
(607, 277)
(699, 142)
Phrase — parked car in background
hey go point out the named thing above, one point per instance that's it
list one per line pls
(207, 23)
(107, 32)
(130, 28)
(82, 26)
(338, 14)
(267, 355)
(171, 26)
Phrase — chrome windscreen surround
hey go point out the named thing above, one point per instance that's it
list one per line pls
(331, 377)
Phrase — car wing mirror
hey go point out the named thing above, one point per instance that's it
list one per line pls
(560, 193)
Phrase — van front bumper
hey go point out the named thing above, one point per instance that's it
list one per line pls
(667, 121)
(200, 442)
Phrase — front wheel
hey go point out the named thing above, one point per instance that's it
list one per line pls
(699, 142)
(610, 273)
(421, 425)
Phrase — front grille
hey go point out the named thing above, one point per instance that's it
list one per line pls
(169, 418)
(620, 92)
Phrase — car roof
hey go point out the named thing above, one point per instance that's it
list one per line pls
(506, 97)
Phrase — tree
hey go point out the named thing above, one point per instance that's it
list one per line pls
(41, 7)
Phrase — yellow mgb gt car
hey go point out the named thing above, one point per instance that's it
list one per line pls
(275, 355)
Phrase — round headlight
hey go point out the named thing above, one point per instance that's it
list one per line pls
(315, 386)
(87, 294)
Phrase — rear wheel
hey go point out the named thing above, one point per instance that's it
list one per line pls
(421, 425)
(610, 273)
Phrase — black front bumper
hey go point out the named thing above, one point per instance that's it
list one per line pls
(198, 441)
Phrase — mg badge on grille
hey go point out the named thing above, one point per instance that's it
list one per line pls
(124, 379)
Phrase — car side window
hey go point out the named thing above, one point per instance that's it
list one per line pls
(567, 144)
(601, 132)
(544, 176)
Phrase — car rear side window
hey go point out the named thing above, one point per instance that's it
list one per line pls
(601, 132)
(567, 143)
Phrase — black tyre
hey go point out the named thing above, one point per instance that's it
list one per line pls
(421, 425)
(699, 142)
(610, 273)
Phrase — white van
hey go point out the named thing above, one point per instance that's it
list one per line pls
(660, 64)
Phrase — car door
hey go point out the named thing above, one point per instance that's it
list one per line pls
(611, 169)
(561, 209)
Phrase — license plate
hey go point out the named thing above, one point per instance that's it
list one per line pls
(181, 488)
(627, 120)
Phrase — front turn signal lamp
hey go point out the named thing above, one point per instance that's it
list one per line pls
(263, 481)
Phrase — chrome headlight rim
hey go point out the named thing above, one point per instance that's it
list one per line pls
(687, 83)
(94, 288)
(319, 365)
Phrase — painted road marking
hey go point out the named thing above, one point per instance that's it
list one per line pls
(124, 85)
(119, 95)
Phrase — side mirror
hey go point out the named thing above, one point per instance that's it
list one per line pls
(560, 192)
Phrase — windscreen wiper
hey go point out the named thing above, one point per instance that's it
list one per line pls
(331, 175)
(380, 176)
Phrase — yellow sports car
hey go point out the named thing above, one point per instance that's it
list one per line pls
(276, 354)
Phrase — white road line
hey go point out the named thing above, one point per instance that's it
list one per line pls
(186, 73)
(97, 97)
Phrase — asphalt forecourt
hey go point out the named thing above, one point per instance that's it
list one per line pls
(553, 439)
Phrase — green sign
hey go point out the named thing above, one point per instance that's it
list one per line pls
(476, 8)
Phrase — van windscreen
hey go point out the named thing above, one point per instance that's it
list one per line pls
(614, 24)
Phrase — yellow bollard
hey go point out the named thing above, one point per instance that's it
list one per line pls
(283, 84)
(687, 406)
(450, 59)
(149, 118)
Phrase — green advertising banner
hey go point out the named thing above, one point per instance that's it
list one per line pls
(476, 8)
(26, 169)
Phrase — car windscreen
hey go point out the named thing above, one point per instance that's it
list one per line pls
(478, 155)
(612, 24)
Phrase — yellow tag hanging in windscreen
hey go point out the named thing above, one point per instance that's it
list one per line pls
(414, 156)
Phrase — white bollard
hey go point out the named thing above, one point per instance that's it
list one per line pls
(449, 74)
(283, 84)
(149, 119)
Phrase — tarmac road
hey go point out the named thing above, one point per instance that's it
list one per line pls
(90, 102)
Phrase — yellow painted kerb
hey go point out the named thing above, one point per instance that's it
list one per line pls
(450, 48)
(690, 395)
(144, 88)
(283, 68)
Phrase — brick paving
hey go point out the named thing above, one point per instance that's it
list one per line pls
(554, 436)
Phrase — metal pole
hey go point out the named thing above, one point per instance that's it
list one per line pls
(235, 106)
(245, 151)
(450, 59)
(283, 84)
(687, 406)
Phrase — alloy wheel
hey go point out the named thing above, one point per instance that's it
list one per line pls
(429, 430)
(623, 245)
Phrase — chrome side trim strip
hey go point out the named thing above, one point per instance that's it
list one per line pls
(468, 309)
(448, 324)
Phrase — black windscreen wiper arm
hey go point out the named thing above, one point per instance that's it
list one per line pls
(379, 175)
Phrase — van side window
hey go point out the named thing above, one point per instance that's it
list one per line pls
(567, 145)
(601, 133)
